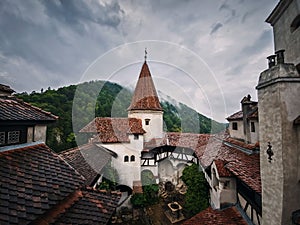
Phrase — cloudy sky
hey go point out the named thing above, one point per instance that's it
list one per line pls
(206, 53)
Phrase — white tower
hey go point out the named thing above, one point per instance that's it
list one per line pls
(145, 105)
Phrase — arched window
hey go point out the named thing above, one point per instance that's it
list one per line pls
(132, 158)
(295, 24)
(126, 158)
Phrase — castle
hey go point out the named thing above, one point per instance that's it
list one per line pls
(253, 172)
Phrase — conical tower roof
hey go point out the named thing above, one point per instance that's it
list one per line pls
(145, 95)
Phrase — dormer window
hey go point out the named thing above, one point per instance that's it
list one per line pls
(147, 122)
(136, 137)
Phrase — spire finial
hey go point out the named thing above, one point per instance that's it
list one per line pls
(145, 54)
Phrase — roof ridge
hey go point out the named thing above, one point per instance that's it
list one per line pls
(52, 214)
(20, 146)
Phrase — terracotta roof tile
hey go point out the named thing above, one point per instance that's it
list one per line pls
(38, 187)
(245, 166)
(114, 130)
(176, 139)
(88, 160)
(236, 116)
(228, 216)
(145, 96)
(222, 170)
(90, 207)
(33, 179)
(14, 109)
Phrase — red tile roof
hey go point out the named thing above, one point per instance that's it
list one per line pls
(244, 166)
(33, 179)
(252, 114)
(222, 170)
(88, 160)
(38, 186)
(145, 96)
(87, 206)
(234, 158)
(228, 216)
(176, 139)
(14, 109)
(114, 130)
(236, 116)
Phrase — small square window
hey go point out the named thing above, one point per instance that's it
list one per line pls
(13, 137)
(147, 121)
(136, 137)
(234, 126)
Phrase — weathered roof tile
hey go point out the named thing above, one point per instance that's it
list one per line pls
(228, 216)
(114, 130)
(14, 109)
(145, 96)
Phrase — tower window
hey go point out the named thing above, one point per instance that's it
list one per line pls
(147, 121)
(132, 158)
(136, 137)
(252, 127)
(126, 158)
(234, 126)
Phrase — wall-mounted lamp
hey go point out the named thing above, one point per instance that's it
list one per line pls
(270, 152)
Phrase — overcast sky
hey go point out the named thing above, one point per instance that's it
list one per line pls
(206, 53)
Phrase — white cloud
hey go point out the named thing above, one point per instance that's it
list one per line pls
(51, 43)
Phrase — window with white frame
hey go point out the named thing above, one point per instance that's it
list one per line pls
(2, 138)
(13, 137)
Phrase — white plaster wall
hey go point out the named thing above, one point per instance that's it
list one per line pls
(239, 133)
(227, 194)
(155, 127)
(128, 171)
(29, 134)
(254, 135)
(40, 133)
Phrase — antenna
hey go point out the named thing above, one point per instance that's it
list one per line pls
(146, 54)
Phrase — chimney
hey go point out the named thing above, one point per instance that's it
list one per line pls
(5, 90)
(271, 60)
(280, 56)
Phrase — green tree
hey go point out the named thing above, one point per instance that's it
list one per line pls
(196, 198)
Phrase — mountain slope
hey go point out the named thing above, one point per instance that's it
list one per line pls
(76, 105)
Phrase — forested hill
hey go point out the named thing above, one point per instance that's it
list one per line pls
(104, 99)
